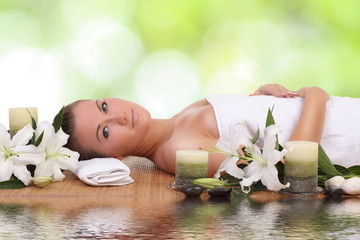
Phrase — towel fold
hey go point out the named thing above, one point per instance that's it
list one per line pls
(103, 172)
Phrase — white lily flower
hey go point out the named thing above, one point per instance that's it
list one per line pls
(15, 154)
(57, 156)
(263, 167)
(230, 147)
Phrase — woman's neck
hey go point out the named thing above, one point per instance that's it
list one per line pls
(160, 130)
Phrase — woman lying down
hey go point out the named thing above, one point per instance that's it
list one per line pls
(117, 128)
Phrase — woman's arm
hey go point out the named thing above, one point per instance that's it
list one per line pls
(311, 122)
(312, 118)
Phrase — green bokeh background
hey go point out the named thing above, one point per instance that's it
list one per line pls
(184, 50)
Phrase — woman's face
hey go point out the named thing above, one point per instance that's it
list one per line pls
(111, 126)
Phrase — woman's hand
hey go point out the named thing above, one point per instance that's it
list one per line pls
(276, 90)
(306, 91)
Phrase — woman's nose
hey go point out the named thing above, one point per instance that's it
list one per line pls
(119, 118)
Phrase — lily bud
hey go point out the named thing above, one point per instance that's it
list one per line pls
(334, 183)
(209, 182)
(351, 186)
(42, 181)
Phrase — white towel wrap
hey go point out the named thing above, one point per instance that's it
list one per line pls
(103, 172)
(341, 134)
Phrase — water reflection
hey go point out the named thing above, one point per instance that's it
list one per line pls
(289, 218)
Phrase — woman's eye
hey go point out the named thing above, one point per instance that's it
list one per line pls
(106, 132)
(104, 107)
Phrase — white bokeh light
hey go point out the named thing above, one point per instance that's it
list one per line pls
(104, 50)
(18, 28)
(236, 77)
(166, 82)
(30, 78)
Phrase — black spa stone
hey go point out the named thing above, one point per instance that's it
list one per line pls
(219, 192)
(192, 190)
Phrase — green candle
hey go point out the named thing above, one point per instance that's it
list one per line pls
(301, 166)
(190, 164)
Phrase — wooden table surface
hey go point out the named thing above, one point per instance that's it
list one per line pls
(151, 188)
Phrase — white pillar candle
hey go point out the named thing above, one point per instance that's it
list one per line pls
(19, 117)
(301, 165)
(303, 151)
(191, 164)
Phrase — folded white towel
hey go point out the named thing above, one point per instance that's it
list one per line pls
(103, 172)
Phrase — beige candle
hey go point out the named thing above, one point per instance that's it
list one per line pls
(191, 164)
(301, 166)
(19, 117)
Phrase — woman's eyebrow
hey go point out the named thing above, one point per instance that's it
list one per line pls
(97, 104)
(97, 129)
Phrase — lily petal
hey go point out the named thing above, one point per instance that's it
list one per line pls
(23, 136)
(5, 139)
(23, 174)
(239, 135)
(49, 133)
(229, 165)
(271, 181)
(58, 175)
(6, 170)
(253, 173)
(232, 168)
(68, 163)
(44, 169)
(247, 182)
(223, 145)
(28, 154)
(61, 138)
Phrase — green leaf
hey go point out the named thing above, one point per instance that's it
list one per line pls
(58, 119)
(325, 165)
(31, 169)
(341, 169)
(33, 125)
(38, 141)
(270, 118)
(12, 184)
(33, 121)
(280, 167)
(277, 145)
(354, 169)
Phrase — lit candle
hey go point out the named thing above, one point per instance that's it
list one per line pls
(301, 166)
(190, 164)
(19, 117)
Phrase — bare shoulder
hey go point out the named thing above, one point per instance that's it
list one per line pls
(197, 104)
(194, 128)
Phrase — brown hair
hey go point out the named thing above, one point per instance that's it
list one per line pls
(68, 126)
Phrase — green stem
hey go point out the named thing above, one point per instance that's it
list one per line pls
(218, 150)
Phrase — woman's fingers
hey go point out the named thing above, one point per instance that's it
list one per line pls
(291, 94)
(276, 90)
